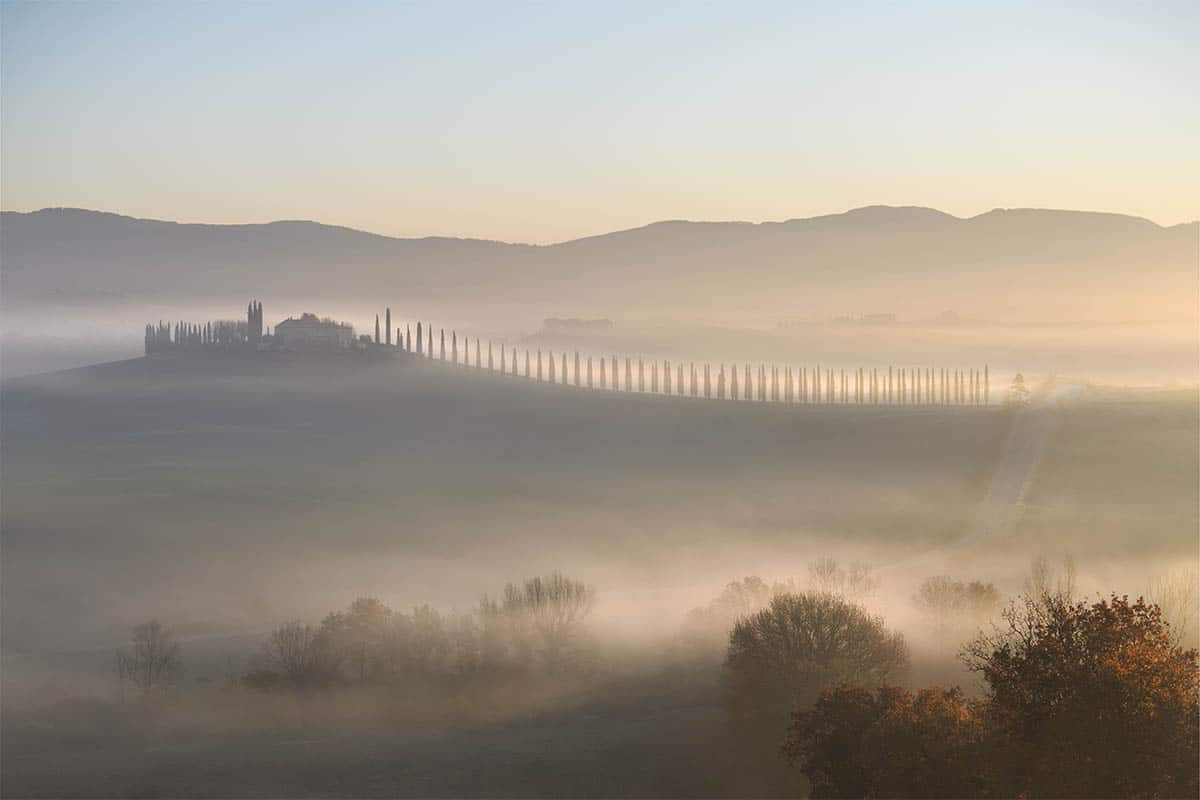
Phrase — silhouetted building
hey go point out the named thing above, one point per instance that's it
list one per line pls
(311, 333)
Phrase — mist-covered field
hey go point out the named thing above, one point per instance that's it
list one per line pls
(226, 495)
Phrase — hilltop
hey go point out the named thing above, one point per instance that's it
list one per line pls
(895, 257)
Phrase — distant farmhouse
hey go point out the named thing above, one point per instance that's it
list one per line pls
(576, 325)
(310, 333)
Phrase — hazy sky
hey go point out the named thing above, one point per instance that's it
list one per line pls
(541, 122)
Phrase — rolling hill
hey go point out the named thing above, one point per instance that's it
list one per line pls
(1034, 264)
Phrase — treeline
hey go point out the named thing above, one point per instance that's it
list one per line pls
(533, 626)
(763, 382)
(1075, 698)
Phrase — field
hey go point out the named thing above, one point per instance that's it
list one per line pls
(224, 496)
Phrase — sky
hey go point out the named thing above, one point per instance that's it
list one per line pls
(540, 122)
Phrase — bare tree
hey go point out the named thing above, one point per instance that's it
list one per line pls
(302, 654)
(553, 607)
(152, 661)
(1047, 581)
(947, 601)
(854, 582)
(1176, 594)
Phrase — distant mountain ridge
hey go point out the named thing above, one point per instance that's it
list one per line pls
(908, 255)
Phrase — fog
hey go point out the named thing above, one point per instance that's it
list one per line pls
(226, 495)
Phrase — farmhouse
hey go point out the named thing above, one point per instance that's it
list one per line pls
(311, 333)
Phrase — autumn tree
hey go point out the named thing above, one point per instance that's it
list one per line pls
(856, 742)
(1090, 700)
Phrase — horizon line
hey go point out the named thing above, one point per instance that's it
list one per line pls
(467, 238)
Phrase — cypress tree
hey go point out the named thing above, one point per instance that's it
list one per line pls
(733, 386)
(603, 373)
(679, 386)
(577, 369)
(747, 389)
(628, 374)
(563, 372)
(526, 364)
(388, 325)
(654, 376)
(707, 385)
(987, 385)
(420, 343)
(491, 365)
(376, 329)
(589, 372)
(666, 377)
(641, 377)
(514, 362)
(721, 382)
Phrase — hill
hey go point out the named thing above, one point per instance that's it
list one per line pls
(907, 259)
